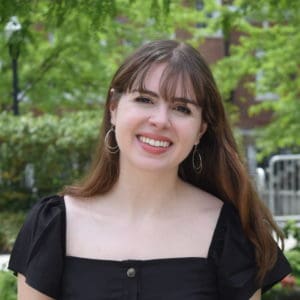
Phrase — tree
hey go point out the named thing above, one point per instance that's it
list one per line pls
(70, 49)
(269, 47)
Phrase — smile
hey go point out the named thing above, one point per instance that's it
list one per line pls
(154, 143)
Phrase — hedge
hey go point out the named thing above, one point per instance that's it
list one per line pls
(39, 155)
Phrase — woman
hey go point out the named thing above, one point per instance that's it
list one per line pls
(167, 210)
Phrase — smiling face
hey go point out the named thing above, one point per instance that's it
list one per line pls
(154, 134)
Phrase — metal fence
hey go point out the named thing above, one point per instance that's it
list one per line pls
(279, 186)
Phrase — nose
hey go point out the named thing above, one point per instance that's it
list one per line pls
(160, 117)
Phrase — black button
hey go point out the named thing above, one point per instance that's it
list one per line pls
(131, 272)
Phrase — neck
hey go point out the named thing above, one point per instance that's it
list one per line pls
(139, 194)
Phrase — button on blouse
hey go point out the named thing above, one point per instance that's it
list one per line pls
(131, 272)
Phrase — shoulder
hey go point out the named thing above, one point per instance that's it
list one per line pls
(203, 210)
(201, 201)
(80, 207)
(46, 215)
(75, 203)
(44, 212)
(40, 245)
(234, 255)
(53, 204)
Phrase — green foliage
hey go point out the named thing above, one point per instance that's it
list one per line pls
(8, 286)
(56, 12)
(69, 50)
(268, 47)
(291, 229)
(3, 242)
(293, 257)
(56, 149)
(288, 293)
(278, 293)
(10, 226)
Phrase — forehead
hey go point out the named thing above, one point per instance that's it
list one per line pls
(166, 82)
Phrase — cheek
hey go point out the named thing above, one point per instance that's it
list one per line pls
(126, 125)
(117, 109)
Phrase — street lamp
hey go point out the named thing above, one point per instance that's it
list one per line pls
(14, 38)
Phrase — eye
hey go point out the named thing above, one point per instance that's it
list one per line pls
(182, 109)
(143, 100)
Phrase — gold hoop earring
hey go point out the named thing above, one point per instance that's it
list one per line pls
(110, 149)
(196, 160)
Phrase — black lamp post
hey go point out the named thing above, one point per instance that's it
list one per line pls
(12, 29)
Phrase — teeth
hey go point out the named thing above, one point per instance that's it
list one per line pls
(154, 143)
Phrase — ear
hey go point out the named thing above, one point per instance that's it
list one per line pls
(112, 107)
(113, 113)
(202, 130)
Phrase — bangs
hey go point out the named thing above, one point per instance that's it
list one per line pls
(174, 79)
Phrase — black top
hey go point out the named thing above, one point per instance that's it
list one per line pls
(228, 272)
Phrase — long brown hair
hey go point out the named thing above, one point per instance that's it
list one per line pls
(223, 174)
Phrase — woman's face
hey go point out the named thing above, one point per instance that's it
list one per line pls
(154, 134)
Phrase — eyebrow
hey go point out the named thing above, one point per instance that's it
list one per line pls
(153, 94)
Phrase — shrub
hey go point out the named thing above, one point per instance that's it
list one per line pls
(39, 155)
(10, 226)
(8, 286)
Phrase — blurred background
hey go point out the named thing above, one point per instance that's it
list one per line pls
(58, 57)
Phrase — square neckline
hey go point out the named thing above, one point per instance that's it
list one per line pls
(150, 261)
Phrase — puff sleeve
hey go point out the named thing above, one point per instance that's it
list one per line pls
(39, 249)
(234, 256)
